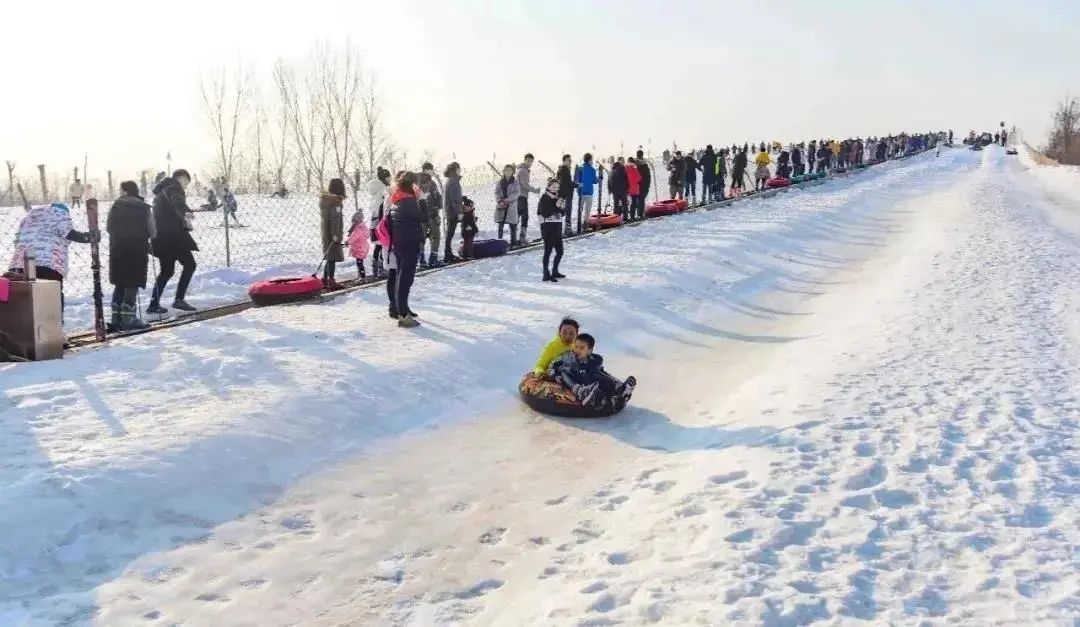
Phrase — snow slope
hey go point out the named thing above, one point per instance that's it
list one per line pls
(857, 403)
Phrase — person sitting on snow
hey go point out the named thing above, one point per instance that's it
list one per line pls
(564, 341)
(582, 372)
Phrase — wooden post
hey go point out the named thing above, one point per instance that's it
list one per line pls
(142, 180)
(44, 186)
(95, 267)
(111, 193)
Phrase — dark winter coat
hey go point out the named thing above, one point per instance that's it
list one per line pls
(566, 182)
(618, 184)
(548, 207)
(332, 226)
(811, 152)
(131, 227)
(646, 176)
(708, 166)
(738, 165)
(170, 212)
(796, 156)
(454, 199)
(581, 371)
(468, 223)
(690, 167)
(408, 220)
(677, 168)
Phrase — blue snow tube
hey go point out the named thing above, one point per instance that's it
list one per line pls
(490, 248)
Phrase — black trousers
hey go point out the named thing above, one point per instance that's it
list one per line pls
(168, 268)
(391, 289)
(124, 296)
(552, 234)
(620, 204)
(637, 207)
(451, 229)
(407, 255)
(569, 202)
(523, 214)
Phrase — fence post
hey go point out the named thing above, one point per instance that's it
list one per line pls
(228, 247)
(111, 194)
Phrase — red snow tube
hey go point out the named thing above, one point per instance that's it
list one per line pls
(664, 208)
(604, 221)
(778, 181)
(683, 204)
(286, 290)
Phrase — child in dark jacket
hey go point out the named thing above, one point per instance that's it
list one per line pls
(582, 372)
(468, 227)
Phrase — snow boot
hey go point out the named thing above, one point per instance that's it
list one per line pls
(407, 322)
(558, 275)
(156, 309)
(129, 319)
(116, 322)
(393, 313)
(183, 305)
(548, 278)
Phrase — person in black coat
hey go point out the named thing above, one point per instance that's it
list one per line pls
(690, 168)
(131, 227)
(173, 241)
(708, 174)
(550, 210)
(738, 171)
(811, 154)
(566, 189)
(797, 160)
(408, 221)
(619, 186)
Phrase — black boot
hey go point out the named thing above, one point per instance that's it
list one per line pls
(557, 275)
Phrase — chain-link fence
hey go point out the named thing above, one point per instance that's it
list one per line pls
(267, 236)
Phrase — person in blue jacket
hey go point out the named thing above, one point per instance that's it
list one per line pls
(585, 179)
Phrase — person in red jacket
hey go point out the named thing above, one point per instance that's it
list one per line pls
(633, 178)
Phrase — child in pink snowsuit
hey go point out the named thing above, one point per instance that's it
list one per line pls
(359, 244)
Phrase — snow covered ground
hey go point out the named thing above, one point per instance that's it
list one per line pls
(857, 403)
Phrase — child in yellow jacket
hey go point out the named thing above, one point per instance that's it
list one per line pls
(564, 341)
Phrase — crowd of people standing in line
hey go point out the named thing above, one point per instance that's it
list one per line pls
(413, 211)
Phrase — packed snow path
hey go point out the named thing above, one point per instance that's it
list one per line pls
(857, 404)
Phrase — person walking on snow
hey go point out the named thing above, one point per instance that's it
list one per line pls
(738, 172)
(507, 200)
(550, 210)
(524, 172)
(45, 233)
(566, 191)
(173, 243)
(332, 229)
(130, 225)
(690, 170)
(585, 178)
(633, 183)
(408, 218)
(229, 204)
(619, 187)
(761, 176)
(75, 192)
(454, 206)
(378, 192)
(432, 199)
(646, 181)
(708, 175)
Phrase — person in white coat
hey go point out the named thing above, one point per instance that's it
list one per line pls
(75, 192)
(378, 190)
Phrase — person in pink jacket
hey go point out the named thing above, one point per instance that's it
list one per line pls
(637, 202)
(359, 242)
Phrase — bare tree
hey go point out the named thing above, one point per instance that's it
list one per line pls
(374, 146)
(1064, 144)
(258, 130)
(225, 101)
(10, 175)
(279, 141)
(302, 111)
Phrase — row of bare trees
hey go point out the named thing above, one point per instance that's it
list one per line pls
(1064, 141)
(319, 117)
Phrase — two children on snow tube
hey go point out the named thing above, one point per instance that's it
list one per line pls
(569, 360)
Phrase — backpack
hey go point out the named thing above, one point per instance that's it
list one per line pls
(382, 232)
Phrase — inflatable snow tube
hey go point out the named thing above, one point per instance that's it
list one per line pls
(284, 290)
(683, 204)
(875, 162)
(798, 178)
(663, 208)
(778, 181)
(841, 170)
(551, 398)
(490, 248)
(603, 221)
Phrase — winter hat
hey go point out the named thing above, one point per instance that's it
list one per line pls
(61, 206)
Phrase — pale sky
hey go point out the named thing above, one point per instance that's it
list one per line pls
(118, 78)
